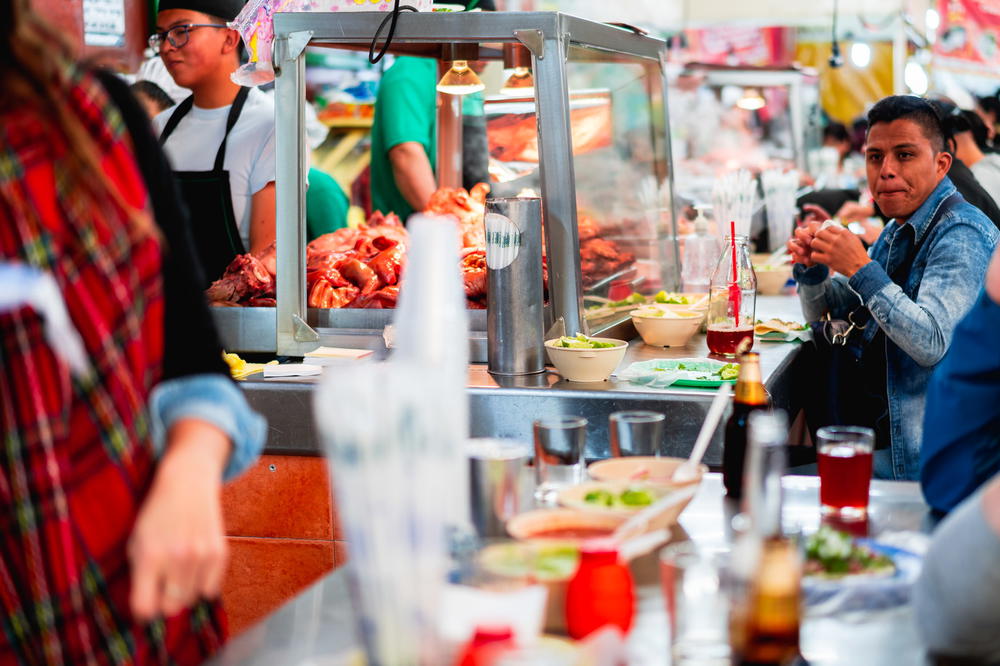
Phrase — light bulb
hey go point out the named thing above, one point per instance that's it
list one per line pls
(861, 54)
(460, 80)
(519, 84)
(751, 100)
(932, 20)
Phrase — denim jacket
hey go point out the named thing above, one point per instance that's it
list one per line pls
(216, 399)
(918, 318)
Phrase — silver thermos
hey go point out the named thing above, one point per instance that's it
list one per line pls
(514, 317)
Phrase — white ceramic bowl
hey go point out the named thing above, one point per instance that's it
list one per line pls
(566, 525)
(653, 470)
(574, 497)
(771, 280)
(586, 365)
(673, 330)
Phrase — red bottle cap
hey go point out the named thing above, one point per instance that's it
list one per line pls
(492, 634)
(601, 550)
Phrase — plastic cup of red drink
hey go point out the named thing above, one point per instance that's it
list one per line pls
(844, 456)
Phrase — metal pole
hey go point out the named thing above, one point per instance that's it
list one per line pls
(671, 274)
(449, 137)
(290, 183)
(899, 56)
(558, 180)
(796, 108)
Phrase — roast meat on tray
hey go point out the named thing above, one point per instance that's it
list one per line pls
(362, 267)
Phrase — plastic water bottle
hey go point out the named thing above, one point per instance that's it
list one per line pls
(701, 253)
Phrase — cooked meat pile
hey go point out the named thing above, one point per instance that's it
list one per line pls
(362, 268)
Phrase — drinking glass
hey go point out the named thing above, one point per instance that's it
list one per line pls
(495, 482)
(559, 442)
(635, 433)
(844, 456)
(697, 593)
(732, 300)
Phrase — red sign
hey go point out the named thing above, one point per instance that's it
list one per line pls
(737, 45)
(969, 32)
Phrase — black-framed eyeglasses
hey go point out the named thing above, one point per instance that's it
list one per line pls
(178, 35)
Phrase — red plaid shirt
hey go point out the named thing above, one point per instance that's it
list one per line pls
(76, 460)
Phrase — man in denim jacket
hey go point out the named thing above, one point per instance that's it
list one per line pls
(916, 282)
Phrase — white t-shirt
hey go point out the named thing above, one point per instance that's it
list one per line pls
(249, 151)
(987, 172)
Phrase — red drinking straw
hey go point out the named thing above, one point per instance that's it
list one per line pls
(734, 287)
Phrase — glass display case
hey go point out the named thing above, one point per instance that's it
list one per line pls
(591, 138)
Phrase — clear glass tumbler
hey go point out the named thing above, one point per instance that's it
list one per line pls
(844, 457)
(635, 433)
(559, 443)
(696, 590)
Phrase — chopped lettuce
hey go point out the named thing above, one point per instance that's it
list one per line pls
(636, 497)
(671, 298)
(635, 298)
(629, 498)
(729, 371)
(831, 553)
(581, 341)
(602, 497)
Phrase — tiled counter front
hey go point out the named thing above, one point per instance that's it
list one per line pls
(283, 535)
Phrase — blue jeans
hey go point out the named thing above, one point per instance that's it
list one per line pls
(882, 465)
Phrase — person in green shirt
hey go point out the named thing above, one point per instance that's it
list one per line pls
(326, 205)
(404, 137)
(404, 134)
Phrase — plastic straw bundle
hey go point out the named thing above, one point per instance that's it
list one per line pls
(394, 434)
(779, 195)
(733, 198)
(655, 199)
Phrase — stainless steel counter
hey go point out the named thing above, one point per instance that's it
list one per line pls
(318, 628)
(506, 407)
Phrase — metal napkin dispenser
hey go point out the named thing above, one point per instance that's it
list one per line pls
(514, 316)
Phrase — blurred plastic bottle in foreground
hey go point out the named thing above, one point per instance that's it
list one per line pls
(394, 433)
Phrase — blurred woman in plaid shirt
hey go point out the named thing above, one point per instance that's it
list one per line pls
(111, 540)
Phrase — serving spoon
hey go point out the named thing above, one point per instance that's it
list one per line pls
(688, 470)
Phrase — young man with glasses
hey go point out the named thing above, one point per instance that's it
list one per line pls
(220, 140)
(906, 294)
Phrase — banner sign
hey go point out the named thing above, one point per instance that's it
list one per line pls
(969, 34)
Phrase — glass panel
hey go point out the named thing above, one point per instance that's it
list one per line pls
(623, 193)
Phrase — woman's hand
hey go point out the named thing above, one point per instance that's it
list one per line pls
(178, 549)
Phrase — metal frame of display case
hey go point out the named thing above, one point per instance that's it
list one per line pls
(551, 37)
(793, 79)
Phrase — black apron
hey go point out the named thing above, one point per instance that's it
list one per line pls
(209, 199)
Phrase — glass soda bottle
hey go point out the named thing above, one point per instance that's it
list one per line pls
(733, 299)
(750, 397)
(764, 615)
